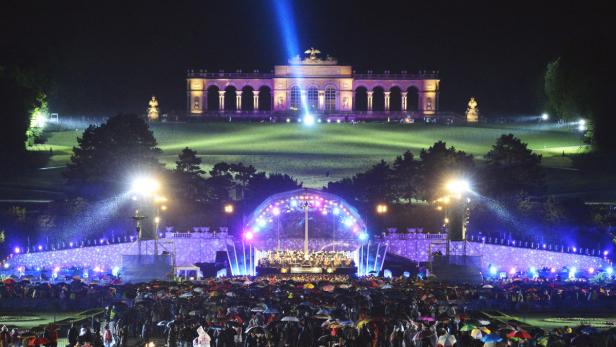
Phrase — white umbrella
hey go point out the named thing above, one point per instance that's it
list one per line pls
(290, 319)
(447, 340)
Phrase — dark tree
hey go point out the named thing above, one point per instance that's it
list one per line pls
(578, 85)
(190, 185)
(234, 177)
(262, 185)
(439, 164)
(512, 168)
(405, 171)
(110, 154)
(22, 89)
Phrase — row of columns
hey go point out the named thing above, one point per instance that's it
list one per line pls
(238, 100)
(404, 102)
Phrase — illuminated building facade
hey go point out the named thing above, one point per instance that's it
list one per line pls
(312, 85)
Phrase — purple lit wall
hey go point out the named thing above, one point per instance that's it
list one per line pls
(191, 248)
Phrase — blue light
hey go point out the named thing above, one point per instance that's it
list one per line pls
(293, 203)
(363, 236)
(115, 271)
(308, 120)
(572, 272)
(261, 222)
(17, 250)
(348, 222)
(336, 211)
(610, 270)
(493, 270)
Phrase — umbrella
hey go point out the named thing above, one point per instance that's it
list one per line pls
(290, 319)
(519, 334)
(308, 286)
(491, 338)
(483, 322)
(328, 288)
(256, 329)
(186, 295)
(468, 327)
(477, 333)
(488, 286)
(589, 330)
(271, 310)
(447, 340)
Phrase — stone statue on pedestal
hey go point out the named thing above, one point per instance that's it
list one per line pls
(472, 112)
(153, 109)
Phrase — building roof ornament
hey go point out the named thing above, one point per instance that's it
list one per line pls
(312, 57)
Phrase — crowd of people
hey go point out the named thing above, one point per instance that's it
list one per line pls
(322, 259)
(335, 310)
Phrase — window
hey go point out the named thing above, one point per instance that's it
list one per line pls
(196, 103)
(296, 95)
(313, 98)
(429, 104)
(330, 99)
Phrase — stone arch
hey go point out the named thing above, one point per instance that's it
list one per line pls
(247, 98)
(395, 99)
(230, 98)
(212, 98)
(265, 98)
(378, 99)
(361, 99)
(412, 99)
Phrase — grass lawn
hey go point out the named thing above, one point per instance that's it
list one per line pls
(328, 152)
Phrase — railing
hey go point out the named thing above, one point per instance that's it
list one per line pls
(395, 76)
(537, 245)
(230, 75)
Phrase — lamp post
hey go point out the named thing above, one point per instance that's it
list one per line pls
(306, 206)
(145, 189)
(456, 210)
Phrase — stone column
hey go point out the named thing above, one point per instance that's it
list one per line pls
(370, 100)
(238, 101)
(255, 100)
(321, 100)
(404, 101)
(387, 94)
(221, 100)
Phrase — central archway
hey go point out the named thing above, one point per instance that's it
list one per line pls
(332, 222)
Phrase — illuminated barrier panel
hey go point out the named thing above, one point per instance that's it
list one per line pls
(306, 270)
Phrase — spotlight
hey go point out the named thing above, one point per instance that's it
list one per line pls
(582, 125)
(145, 185)
(553, 270)
(605, 253)
(249, 235)
(115, 271)
(363, 236)
(591, 270)
(336, 211)
(261, 222)
(610, 270)
(572, 272)
(338, 121)
(493, 270)
(17, 250)
(288, 120)
(512, 271)
(458, 186)
(7, 265)
(348, 222)
(545, 116)
(309, 119)
(40, 248)
(276, 211)
(329, 120)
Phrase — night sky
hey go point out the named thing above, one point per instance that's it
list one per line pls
(108, 57)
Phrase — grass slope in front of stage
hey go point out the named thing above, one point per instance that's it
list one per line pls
(326, 152)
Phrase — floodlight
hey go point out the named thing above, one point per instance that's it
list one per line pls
(610, 270)
(363, 236)
(145, 185)
(458, 186)
(309, 119)
(249, 235)
(276, 211)
(545, 116)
